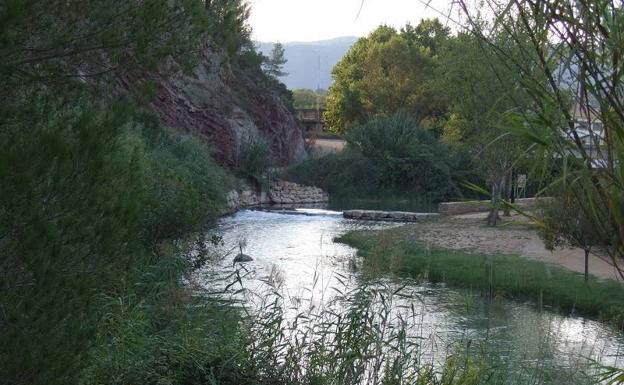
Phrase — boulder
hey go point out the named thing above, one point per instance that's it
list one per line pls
(240, 258)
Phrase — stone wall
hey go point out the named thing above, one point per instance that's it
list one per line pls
(281, 192)
(457, 208)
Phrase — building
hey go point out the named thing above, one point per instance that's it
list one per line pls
(311, 120)
(590, 130)
(589, 127)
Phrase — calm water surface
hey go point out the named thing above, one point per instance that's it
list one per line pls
(297, 256)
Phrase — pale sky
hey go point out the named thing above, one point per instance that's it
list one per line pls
(310, 20)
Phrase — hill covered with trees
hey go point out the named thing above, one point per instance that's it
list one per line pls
(309, 64)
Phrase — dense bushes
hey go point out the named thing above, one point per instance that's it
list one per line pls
(86, 191)
(386, 156)
(70, 209)
(254, 157)
(185, 188)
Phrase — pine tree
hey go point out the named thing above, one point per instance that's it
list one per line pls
(274, 64)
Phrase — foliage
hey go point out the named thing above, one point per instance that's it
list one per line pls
(305, 98)
(44, 42)
(565, 223)
(511, 276)
(91, 190)
(87, 193)
(185, 187)
(254, 157)
(70, 224)
(482, 98)
(386, 156)
(384, 73)
(576, 49)
(407, 157)
(274, 64)
(362, 337)
(162, 335)
(228, 28)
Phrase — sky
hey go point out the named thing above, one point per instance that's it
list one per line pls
(311, 20)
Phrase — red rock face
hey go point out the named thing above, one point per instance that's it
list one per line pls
(206, 123)
(220, 107)
(275, 121)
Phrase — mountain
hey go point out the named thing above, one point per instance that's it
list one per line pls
(310, 63)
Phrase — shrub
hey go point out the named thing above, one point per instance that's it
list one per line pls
(385, 156)
(80, 183)
(70, 209)
(185, 189)
(254, 157)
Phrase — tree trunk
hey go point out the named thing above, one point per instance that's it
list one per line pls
(586, 266)
(497, 187)
(512, 198)
(506, 209)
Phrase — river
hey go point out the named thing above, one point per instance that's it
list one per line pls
(295, 254)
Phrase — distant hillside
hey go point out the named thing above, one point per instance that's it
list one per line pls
(310, 63)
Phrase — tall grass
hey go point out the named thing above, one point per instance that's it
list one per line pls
(368, 334)
(494, 275)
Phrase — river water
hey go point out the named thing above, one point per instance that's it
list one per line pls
(295, 254)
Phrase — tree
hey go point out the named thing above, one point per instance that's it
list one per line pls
(385, 73)
(429, 33)
(481, 94)
(274, 64)
(305, 98)
(572, 70)
(565, 222)
(88, 190)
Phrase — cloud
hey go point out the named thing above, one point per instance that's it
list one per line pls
(310, 20)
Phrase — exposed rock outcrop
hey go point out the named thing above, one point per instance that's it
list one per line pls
(224, 107)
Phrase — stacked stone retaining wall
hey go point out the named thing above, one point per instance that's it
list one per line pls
(283, 192)
(280, 192)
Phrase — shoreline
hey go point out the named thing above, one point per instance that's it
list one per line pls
(515, 235)
(484, 258)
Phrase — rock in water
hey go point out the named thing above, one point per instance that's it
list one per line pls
(242, 258)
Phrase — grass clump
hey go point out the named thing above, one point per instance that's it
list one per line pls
(497, 275)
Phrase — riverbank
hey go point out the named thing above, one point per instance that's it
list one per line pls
(515, 236)
(461, 252)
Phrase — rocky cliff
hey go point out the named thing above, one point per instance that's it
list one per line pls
(225, 107)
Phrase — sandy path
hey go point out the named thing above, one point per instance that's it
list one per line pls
(513, 236)
(327, 146)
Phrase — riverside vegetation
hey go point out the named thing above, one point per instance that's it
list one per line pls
(103, 211)
(390, 158)
(104, 214)
(393, 251)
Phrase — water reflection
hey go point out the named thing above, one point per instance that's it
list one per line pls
(297, 254)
